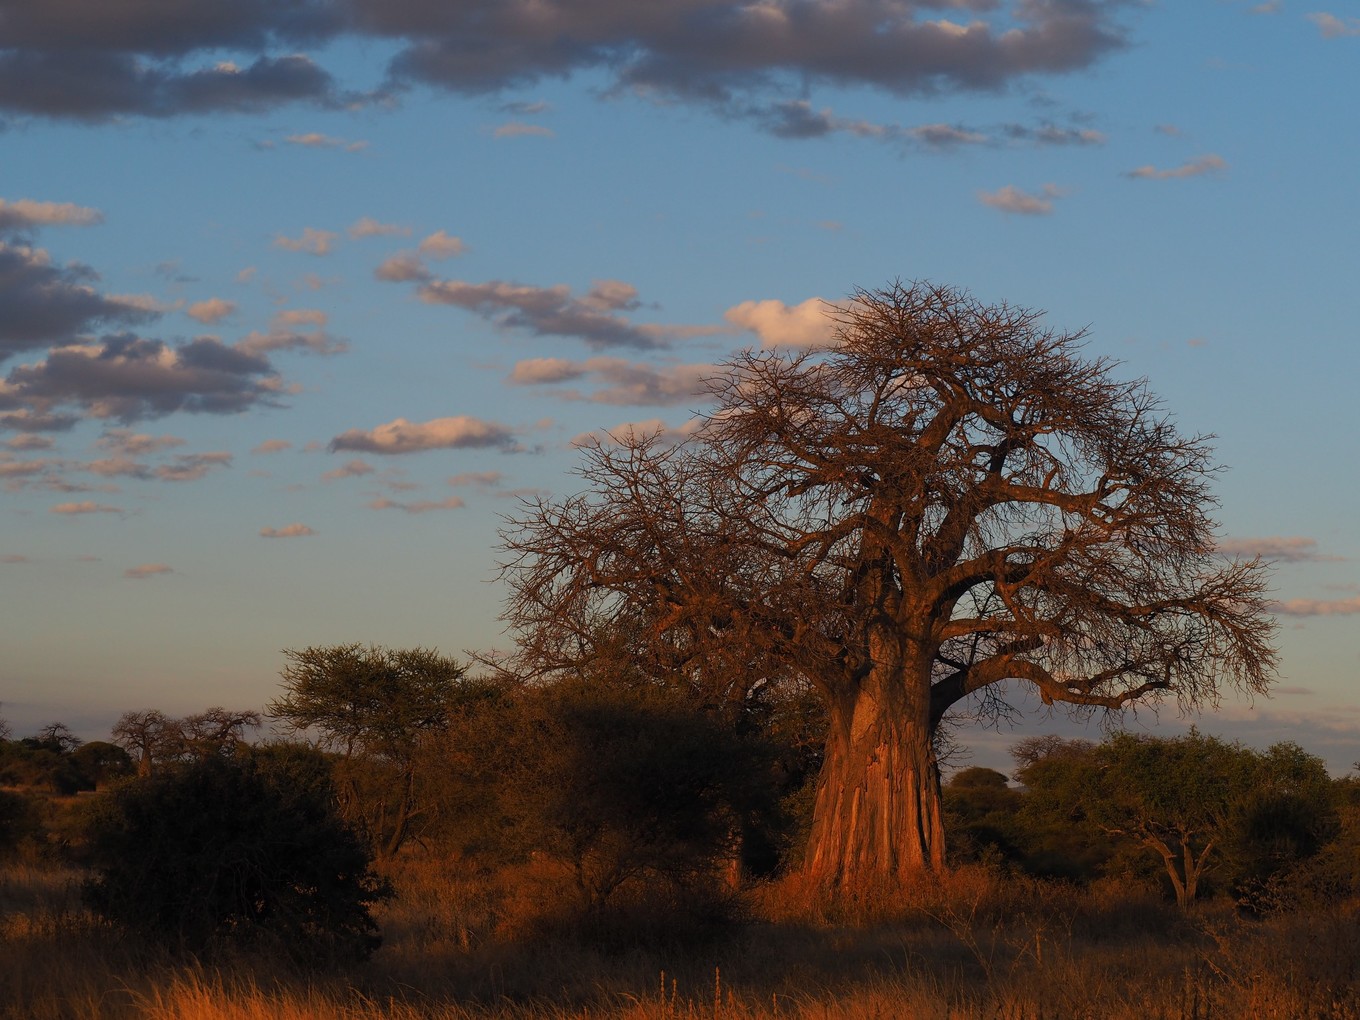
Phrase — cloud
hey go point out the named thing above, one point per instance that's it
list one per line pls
(628, 382)
(1197, 167)
(401, 436)
(665, 434)
(287, 531)
(135, 444)
(115, 467)
(314, 140)
(440, 245)
(45, 304)
(126, 377)
(273, 446)
(353, 469)
(1315, 607)
(1280, 549)
(366, 226)
(30, 442)
(147, 570)
(403, 267)
(210, 311)
(25, 214)
(1011, 199)
(280, 337)
(190, 467)
(85, 507)
(518, 129)
(301, 317)
(805, 325)
(419, 506)
(553, 311)
(312, 241)
(481, 479)
(1333, 27)
(1052, 134)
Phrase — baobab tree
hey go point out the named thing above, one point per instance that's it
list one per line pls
(946, 504)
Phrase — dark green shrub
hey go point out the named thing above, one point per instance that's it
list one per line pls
(241, 852)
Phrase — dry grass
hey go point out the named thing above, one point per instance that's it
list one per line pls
(462, 947)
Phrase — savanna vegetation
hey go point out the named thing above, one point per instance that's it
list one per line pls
(707, 781)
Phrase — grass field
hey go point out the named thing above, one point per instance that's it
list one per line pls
(980, 946)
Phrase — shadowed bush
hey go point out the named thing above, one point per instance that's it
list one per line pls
(243, 852)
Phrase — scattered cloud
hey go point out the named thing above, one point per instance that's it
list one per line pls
(403, 267)
(419, 506)
(210, 311)
(87, 506)
(627, 382)
(401, 436)
(287, 531)
(190, 467)
(147, 570)
(665, 434)
(480, 479)
(1317, 607)
(1281, 549)
(301, 317)
(30, 442)
(26, 214)
(518, 129)
(366, 226)
(1011, 199)
(806, 325)
(1333, 27)
(352, 469)
(312, 241)
(1197, 167)
(273, 446)
(1052, 134)
(441, 245)
(315, 140)
(47, 304)
(136, 444)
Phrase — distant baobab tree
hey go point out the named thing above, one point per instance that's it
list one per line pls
(946, 504)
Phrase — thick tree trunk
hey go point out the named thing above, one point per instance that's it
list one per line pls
(877, 819)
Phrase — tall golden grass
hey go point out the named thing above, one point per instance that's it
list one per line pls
(977, 946)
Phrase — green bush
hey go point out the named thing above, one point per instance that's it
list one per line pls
(242, 852)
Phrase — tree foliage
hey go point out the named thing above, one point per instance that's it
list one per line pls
(234, 851)
(948, 502)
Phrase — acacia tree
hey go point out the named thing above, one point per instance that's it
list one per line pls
(948, 502)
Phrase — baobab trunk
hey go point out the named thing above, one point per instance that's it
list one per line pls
(877, 819)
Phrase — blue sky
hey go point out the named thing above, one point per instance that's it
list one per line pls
(244, 242)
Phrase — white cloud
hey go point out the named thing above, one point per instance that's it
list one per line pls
(419, 506)
(1333, 27)
(1197, 167)
(402, 436)
(1011, 199)
(441, 245)
(312, 241)
(210, 311)
(804, 325)
(366, 226)
(287, 531)
(147, 570)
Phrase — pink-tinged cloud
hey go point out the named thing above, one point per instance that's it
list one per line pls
(312, 241)
(210, 311)
(1333, 27)
(354, 469)
(87, 506)
(136, 444)
(1197, 167)
(1295, 549)
(316, 140)
(25, 214)
(287, 531)
(190, 467)
(805, 325)
(441, 245)
(625, 431)
(403, 267)
(273, 446)
(401, 436)
(30, 442)
(1011, 199)
(147, 570)
(626, 382)
(482, 479)
(300, 317)
(518, 129)
(419, 506)
(367, 226)
(1317, 607)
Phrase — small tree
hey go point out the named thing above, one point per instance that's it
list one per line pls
(373, 707)
(223, 850)
(947, 501)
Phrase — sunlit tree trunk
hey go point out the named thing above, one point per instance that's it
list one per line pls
(877, 819)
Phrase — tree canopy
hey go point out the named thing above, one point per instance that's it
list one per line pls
(948, 502)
